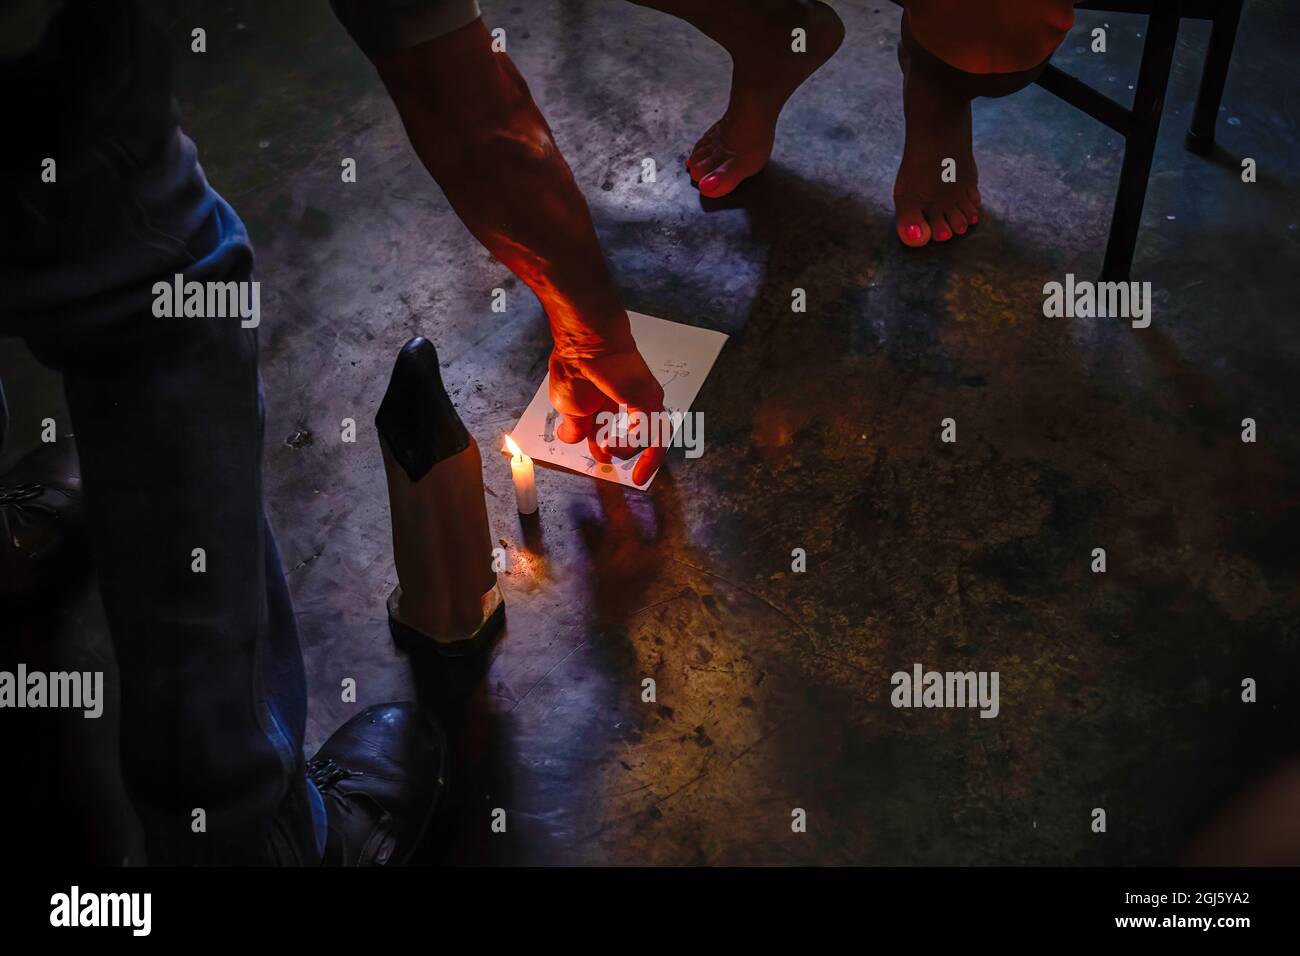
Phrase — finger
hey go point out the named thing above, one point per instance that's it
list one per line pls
(627, 380)
(570, 393)
(645, 438)
(574, 428)
(597, 452)
(648, 464)
(640, 433)
(576, 397)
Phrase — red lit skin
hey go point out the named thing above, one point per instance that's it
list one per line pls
(475, 127)
(991, 36)
(1001, 44)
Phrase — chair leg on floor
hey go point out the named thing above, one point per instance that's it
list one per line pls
(1140, 143)
(1223, 35)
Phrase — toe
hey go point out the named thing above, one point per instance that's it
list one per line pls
(969, 211)
(913, 230)
(705, 163)
(725, 177)
(708, 143)
(703, 148)
(939, 227)
(957, 219)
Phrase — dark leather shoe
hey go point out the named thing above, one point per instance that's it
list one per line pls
(41, 521)
(382, 777)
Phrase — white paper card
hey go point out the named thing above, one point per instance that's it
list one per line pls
(680, 356)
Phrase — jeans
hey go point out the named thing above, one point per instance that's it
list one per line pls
(168, 418)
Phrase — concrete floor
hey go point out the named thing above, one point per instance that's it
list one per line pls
(1118, 691)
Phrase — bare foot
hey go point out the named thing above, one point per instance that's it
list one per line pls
(936, 194)
(765, 72)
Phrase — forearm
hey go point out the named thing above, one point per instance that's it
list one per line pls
(475, 127)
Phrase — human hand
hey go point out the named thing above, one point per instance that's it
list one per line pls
(581, 388)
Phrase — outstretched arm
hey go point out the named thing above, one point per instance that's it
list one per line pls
(476, 128)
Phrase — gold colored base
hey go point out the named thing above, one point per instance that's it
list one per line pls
(405, 633)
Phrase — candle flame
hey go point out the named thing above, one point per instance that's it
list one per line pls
(514, 449)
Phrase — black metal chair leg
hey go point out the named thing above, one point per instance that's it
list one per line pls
(1140, 145)
(1223, 35)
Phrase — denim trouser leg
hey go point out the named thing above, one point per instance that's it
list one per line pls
(168, 418)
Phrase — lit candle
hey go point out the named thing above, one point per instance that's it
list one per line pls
(521, 469)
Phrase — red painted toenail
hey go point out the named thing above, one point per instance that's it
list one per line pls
(974, 219)
(960, 230)
(914, 231)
